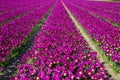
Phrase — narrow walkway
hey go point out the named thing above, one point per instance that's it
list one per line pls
(93, 46)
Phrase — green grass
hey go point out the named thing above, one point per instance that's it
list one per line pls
(116, 24)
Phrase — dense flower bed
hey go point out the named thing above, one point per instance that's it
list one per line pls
(14, 33)
(102, 32)
(60, 53)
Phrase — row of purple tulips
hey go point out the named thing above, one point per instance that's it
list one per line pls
(60, 53)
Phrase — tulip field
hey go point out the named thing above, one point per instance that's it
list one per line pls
(59, 40)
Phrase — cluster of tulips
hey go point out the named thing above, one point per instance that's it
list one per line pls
(112, 12)
(101, 31)
(60, 53)
(14, 33)
(19, 12)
